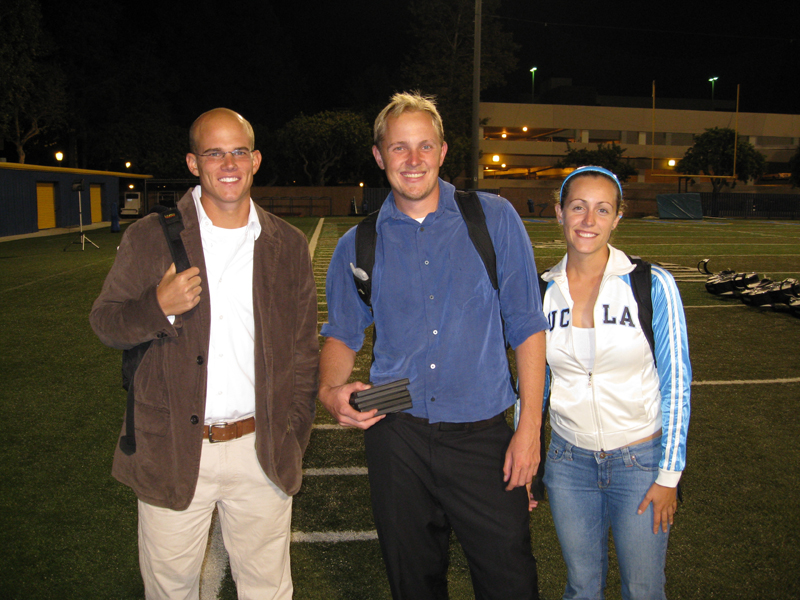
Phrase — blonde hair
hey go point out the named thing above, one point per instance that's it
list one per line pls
(408, 102)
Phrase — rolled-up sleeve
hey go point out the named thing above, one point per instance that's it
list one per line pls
(520, 299)
(348, 316)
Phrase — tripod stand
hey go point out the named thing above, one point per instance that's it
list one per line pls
(78, 187)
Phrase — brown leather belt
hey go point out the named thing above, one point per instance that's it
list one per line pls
(224, 432)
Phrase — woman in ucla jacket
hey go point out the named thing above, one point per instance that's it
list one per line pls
(619, 410)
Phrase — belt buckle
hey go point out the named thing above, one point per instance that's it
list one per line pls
(211, 431)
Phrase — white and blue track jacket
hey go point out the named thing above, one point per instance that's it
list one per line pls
(624, 398)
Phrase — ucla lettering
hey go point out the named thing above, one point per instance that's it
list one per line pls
(625, 318)
(564, 313)
(612, 320)
(551, 318)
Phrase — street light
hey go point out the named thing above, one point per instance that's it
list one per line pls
(59, 157)
(712, 80)
(533, 79)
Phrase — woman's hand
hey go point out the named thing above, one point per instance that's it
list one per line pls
(665, 503)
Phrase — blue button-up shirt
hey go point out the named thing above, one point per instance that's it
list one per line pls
(438, 319)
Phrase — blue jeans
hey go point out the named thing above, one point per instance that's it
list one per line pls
(592, 491)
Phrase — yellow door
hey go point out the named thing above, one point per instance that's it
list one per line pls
(96, 193)
(46, 204)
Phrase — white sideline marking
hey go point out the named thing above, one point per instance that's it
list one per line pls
(312, 245)
(328, 426)
(35, 281)
(748, 381)
(335, 471)
(317, 537)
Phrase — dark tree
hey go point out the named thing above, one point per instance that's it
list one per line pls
(441, 64)
(331, 147)
(32, 86)
(712, 154)
(608, 156)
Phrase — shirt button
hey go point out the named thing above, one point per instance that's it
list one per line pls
(427, 262)
(433, 399)
(435, 332)
(433, 366)
(199, 360)
(422, 229)
(431, 296)
(220, 317)
(194, 420)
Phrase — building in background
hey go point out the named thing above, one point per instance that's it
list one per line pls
(523, 142)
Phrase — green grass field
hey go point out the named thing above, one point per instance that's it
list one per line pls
(68, 530)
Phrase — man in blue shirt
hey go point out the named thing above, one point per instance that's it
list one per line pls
(451, 461)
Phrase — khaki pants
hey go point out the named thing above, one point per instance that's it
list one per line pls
(256, 526)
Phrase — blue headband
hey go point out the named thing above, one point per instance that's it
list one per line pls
(589, 169)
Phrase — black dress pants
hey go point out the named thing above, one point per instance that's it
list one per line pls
(425, 481)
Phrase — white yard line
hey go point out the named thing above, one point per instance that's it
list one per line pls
(740, 305)
(62, 273)
(318, 537)
(335, 471)
(747, 381)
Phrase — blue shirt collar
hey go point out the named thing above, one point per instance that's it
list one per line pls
(447, 203)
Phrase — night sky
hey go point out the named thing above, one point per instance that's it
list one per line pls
(680, 44)
(278, 58)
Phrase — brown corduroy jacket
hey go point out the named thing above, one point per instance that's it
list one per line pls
(170, 383)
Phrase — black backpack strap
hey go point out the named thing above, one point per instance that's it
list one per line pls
(474, 217)
(537, 485)
(366, 239)
(172, 225)
(471, 210)
(130, 362)
(641, 283)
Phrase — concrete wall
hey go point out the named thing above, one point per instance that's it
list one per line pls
(774, 135)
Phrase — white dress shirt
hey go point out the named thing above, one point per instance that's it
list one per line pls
(230, 390)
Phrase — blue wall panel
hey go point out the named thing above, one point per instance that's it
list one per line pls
(18, 210)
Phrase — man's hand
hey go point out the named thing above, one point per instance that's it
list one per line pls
(179, 293)
(665, 503)
(522, 458)
(337, 402)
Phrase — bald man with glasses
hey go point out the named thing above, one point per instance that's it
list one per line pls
(224, 396)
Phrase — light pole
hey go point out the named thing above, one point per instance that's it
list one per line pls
(712, 80)
(533, 80)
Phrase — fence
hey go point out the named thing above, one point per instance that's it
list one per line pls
(297, 206)
(751, 206)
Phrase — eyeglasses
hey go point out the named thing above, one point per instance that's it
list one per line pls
(219, 155)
